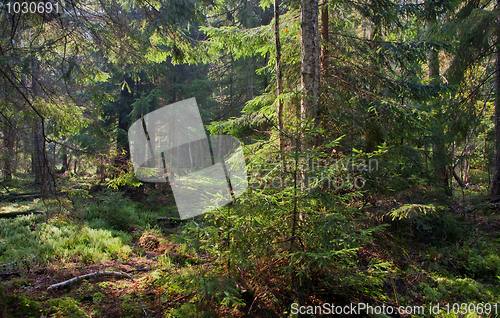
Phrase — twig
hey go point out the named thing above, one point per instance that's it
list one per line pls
(86, 276)
(393, 287)
(180, 298)
(253, 302)
(3, 185)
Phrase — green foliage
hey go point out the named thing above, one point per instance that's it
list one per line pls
(82, 243)
(116, 213)
(19, 238)
(66, 307)
(411, 211)
(428, 224)
(257, 231)
(130, 307)
(184, 311)
(479, 260)
(126, 178)
(20, 306)
(28, 238)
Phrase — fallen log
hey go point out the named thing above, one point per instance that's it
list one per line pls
(87, 276)
(170, 222)
(9, 215)
(10, 274)
(15, 264)
(15, 197)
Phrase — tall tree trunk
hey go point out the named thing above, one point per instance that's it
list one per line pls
(10, 136)
(64, 158)
(373, 133)
(439, 154)
(35, 166)
(324, 35)
(41, 159)
(126, 100)
(41, 163)
(248, 25)
(279, 77)
(310, 79)
(495, 187)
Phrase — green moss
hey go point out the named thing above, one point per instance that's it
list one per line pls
(20, 282)
(130, 307)
(66, 307)
(20, 306)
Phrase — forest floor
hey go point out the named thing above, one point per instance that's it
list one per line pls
(438, 259)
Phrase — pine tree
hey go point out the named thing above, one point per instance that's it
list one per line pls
(495, 187)
(310, 60)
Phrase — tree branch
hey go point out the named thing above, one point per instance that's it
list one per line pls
(87, 276)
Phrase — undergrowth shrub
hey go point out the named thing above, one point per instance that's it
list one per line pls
(399, 168)
(427, 223)
(287, 241)
(479, 260)
(19, 238)
(487, 266)
(117, 213)
(438, 229)
(65, 307)
(19, 306)
(82, 243)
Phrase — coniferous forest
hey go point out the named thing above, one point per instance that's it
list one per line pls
(358, 168)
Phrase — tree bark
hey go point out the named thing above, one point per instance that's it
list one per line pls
(279, 77)
(310, 79)
(495, 187)
(324, 35)
(248, 25)
(42, 174)
(35, 166)
(87, 276)
(10, 215)
(10, 136)
(373, 133)
(439, 154)
(64, 157)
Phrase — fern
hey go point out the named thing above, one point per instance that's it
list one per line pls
(411, 211)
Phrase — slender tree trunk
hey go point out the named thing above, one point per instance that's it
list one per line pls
(373, 133)
(40, 148)
(324, 35)
(439, 154)
(35, 166)
(127, 98)
(10, 136)
(42, 161)
(231, 82)
(35, 157)
(495, 187)
(64, 158)
(248, 24)
(310, 79)
(279, 80)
